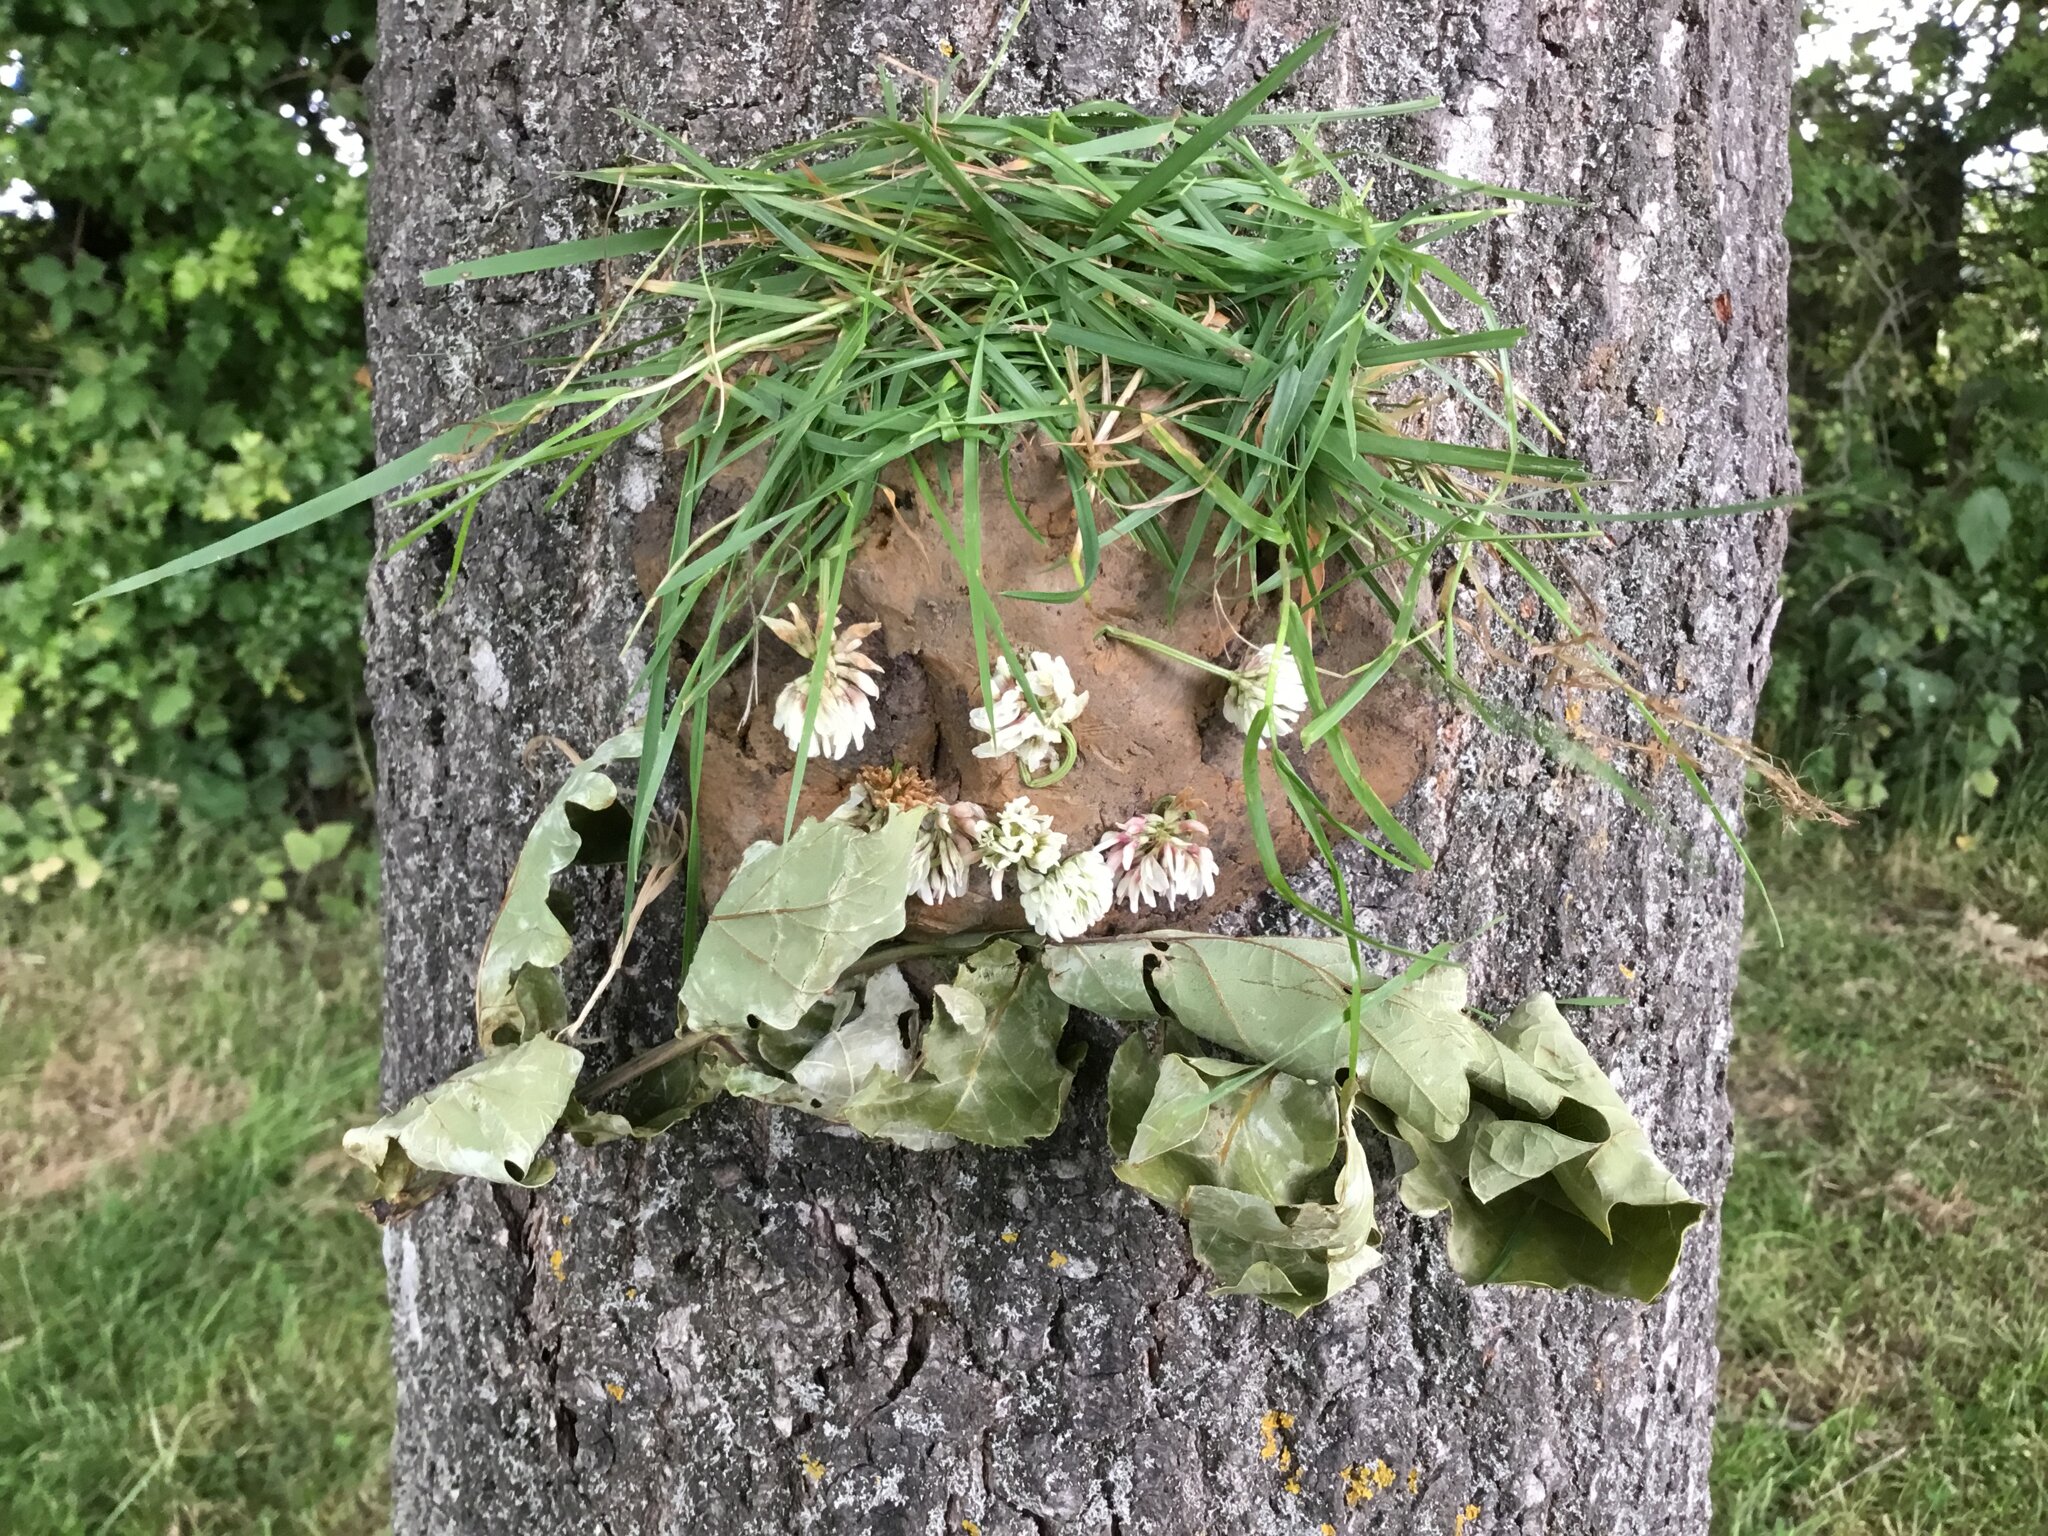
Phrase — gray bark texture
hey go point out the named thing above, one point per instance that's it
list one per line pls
(754, 1325)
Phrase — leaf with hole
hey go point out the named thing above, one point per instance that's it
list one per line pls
(488, 1121)
(518, 990)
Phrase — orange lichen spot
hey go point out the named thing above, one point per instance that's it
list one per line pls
(814, 1469)
(1466, 1516)
(632, 1293)
(1056, 1260)
(1628, 972)
(1383, 1475)
(555, 1263)
(1326, 1529)
(1359, 1486)
(971, 1527)
(1271, 1448)
(1009, 1234)
(616, 1392)
(1292, 1485)
(1415, 1479)
(567, 1219)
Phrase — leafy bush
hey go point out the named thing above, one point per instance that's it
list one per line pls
(180, 283)
(1911, 653)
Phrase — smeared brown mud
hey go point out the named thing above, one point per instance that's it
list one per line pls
(1152, 728)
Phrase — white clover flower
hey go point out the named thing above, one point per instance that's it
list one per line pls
(1247, 694)
(844, 715)
(1036, 740)
(1161, 854)
(947, 849)
(1070, 898)
(1019, 837)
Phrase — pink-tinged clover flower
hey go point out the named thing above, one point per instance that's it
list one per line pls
(1160, 855)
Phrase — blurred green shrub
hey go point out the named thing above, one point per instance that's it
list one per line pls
(180, 286)
(1912, 653)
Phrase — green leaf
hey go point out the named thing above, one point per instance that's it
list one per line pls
(1288, 1002)
(1205, 138)
(308, 850)
(527, 936)
(545, 258)
(990, 1069)
(169, 704)
(1104, 979)
(1582, 1200)
(386, 477)
(824, 1079)
(1179, 1121)
(1293, 1256)
(1982, 523)
(794, 918)
(488, 1121)
(301, 850)
(1278, 1198)
(652, 1102)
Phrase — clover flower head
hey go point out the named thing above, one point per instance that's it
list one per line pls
(1067, 900)
(1271, 669)
(844, 714)
(947, 849)
(1019, 837)
(1013, 726)
(1162, 854)
(877, 791)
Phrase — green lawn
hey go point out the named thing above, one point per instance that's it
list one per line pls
(1885, 1287)
(191, 1317)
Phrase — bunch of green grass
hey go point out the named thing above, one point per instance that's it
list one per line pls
(1205, 331)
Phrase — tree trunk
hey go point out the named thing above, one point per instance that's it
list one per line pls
(754, 1325)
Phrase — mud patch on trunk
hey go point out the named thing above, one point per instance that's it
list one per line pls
(1152, 727)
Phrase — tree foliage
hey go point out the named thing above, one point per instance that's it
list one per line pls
(1916, 619)
(180, 283)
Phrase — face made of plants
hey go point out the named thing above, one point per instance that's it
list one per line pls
(1219, 353)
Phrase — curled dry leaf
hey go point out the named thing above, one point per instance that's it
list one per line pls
(988, 1068)
(1581, 1200)
(488, 1121)
(518, 990)
(1264, 1166)
(1547, 1177)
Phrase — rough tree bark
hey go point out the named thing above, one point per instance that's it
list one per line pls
(756, 1326)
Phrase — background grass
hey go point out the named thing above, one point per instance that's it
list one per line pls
(191, 1316)
(1885, 1300)
(192, 1327)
